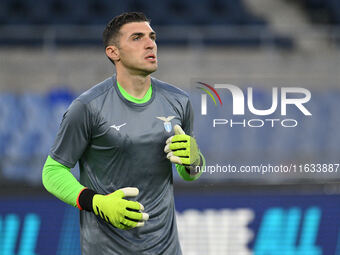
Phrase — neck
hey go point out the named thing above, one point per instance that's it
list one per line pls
(134, 85)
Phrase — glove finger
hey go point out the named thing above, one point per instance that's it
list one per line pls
(145, 216)
(167, 148)
(133, 205)
(185, 161)
(169, 139)
(128, 223)
(168, 156)
(176, 160)
(180, 138)
(178, 146)
(180, 160)
(135, 216)
(130, 191)
(120, 226)
(181, 153)
(178, 130)
(141, 208)
(140, 224)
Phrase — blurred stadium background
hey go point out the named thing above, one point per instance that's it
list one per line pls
(51, 52)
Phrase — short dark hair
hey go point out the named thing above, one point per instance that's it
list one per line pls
(112, 29)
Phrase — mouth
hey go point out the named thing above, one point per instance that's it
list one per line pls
(150, 57)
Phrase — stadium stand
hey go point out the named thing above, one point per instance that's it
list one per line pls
(170, 12)
(40, 16)
(322, 11)
(28, 127)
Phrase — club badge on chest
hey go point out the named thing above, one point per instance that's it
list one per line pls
(167, 123)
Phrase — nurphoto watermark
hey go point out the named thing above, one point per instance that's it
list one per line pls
(281, 99)
(308, 168)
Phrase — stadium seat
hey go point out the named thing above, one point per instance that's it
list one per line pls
(323, 11)
(170, 12)
(99, 12)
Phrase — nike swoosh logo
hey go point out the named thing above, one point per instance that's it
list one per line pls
(118, 127)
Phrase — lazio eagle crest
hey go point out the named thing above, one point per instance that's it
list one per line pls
(167, 123)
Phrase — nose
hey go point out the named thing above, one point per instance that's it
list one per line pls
(150, 44)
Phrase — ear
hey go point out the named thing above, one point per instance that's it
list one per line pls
(112, 52)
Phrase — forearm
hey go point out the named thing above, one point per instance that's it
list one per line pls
(59, 181)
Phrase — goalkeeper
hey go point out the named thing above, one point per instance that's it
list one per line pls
(125, 132)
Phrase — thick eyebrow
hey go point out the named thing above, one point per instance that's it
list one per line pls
(142, 34)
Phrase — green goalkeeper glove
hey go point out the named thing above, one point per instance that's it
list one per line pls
(182, 149)
(112, 208)
(119, 212)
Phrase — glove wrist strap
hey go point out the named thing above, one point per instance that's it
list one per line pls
(85, 199)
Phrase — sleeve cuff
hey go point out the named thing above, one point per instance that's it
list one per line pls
(191, 174)
(84, 200)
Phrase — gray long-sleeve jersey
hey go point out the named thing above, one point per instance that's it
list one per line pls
(119, 144)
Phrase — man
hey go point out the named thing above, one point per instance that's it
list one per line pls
(125, 132)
